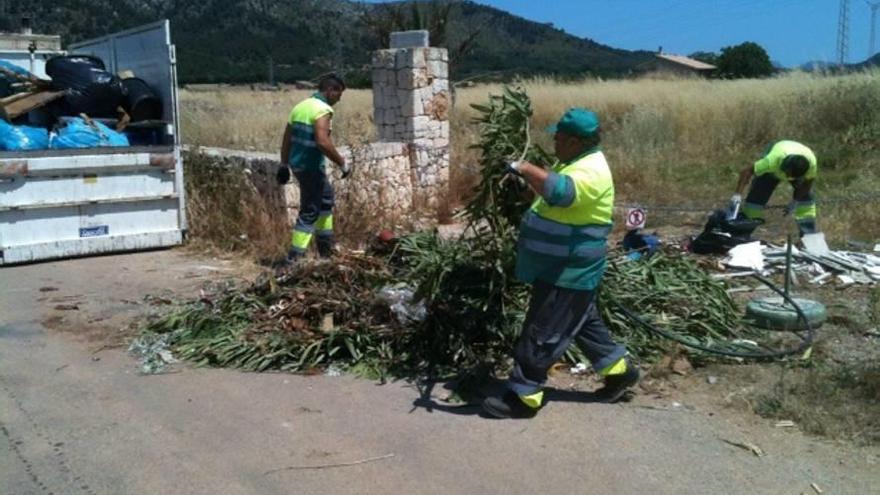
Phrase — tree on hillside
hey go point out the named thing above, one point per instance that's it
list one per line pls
(433, 16)
(745, 60)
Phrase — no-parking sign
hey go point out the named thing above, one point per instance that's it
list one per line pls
(635, 218)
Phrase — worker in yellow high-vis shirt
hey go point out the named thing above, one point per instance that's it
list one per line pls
(787, 161)
(306, 142)
(561, 253)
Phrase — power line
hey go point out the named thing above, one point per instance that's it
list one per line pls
(874, 6)
(843, 33)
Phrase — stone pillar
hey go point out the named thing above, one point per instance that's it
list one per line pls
(411, 105)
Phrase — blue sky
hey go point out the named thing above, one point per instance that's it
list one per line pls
(792, 31)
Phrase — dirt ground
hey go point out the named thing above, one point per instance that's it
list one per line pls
(77, 417)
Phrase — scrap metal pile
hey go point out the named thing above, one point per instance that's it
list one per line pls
(423, 302)
(815, 263)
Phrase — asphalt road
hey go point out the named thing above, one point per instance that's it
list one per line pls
(77, 417)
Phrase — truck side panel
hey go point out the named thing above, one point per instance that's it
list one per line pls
(57, 204)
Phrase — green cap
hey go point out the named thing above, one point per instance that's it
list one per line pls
(577, 122)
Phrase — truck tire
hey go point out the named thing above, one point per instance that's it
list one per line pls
(141, 101)
(773, 313)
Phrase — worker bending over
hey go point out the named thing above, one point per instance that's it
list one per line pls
(785, 161)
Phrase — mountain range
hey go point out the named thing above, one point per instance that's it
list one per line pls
(821, 66)
(235, 40)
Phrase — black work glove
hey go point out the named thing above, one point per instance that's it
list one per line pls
(283, 175)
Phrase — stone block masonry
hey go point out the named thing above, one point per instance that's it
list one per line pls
(411, 103)
(409, 39)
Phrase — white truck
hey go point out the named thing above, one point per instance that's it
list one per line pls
(63, 203)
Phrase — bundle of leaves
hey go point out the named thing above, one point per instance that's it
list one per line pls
(475, 308)
(499, 200)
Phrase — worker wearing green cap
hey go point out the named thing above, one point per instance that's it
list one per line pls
(561, 252)
(788, 161)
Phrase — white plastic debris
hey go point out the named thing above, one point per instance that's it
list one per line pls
(166, 356)
(153, 353)
(579, 369)
(400, 300)
(815, 244)
(855, 267)
(749, 256)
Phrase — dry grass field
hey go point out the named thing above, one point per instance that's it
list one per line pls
(678, 142)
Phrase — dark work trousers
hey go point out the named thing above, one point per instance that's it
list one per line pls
(762, 188)
(315, 205)
(556, 316)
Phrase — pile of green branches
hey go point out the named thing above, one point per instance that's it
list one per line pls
(332, 313)
(311, 316)
(670, 290)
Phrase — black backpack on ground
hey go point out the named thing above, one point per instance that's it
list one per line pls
(720, 234)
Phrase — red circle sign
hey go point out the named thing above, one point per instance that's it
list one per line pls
(635, 218)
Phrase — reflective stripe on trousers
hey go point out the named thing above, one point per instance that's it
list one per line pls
(316, 208)
(556, 316)
(324, 224)
(299, 240)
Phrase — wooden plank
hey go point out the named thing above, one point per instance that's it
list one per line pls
(23, 105)
(36, 81)
(9, 99)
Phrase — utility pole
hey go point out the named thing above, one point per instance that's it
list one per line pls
(874, 6)
(843, 33)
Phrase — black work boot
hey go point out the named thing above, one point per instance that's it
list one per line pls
(617, 385)
(325, 246)
(509, 405)
(293, 256)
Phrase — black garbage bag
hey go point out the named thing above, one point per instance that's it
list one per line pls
(720, 234)
(141, 101)
(88, 87)
(67, 70)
